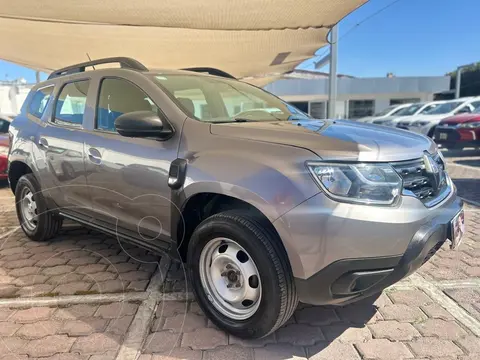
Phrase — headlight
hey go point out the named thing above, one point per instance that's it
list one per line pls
(376, 184)
(470, 125)
(420, 123)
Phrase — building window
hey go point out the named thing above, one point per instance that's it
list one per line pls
(360, 108)
(318, 110)
(404, 101)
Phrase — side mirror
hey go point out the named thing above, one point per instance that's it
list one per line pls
(143, 124)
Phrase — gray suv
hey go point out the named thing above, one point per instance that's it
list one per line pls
(266, 206)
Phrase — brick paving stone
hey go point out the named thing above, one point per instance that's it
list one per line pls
(24, 271)
(332, 351)
(96, 343)
(123, 267)
(346, 334)
(65, 278)
(383, 349)
(316, 316)
(432, 347)
(270, 339)
(73, 287)
(30, 280)
(229, 352)
(83, 260)
(110, 286)
(185, 322)
(161, 342)
(437, 312)
(58, 270)
(403, 313)
(55, 261)
(135, 275)
(18, 264)
(75, 312)
(8, 291)
(299, 334)
(49, 345)
(361, 313)
(64, 356)
(204, 339)
(32, 315)
(120, 325)
(90, 269)
(108, 355)
(280, 351)
(471, 344)
(176, 354)
(468, 296)
(139, 285)
(12, 345)
(35, 290)
(393, 330)
(83, 327)
(116, 310)
(6, 314)
(448, 330)
(9, 328)
(114, 259)
(39, 329)
(171, 308)
(101, 276)
(410, 297)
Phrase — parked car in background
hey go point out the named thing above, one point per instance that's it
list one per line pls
(425, 124)
(4, 124)
(4, 145)
(267, 208)
(405, 113)
(460, 131)
(389, 111)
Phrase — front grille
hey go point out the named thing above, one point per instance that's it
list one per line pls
(417, 182)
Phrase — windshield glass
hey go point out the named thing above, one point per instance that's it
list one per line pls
(386, 111)
(444, 108)
(412, 109)
(216, 99)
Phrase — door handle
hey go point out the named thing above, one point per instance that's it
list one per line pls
(94, 156)
(43, 143)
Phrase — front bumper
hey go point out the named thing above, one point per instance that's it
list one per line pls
(454, 137)
(358, 256)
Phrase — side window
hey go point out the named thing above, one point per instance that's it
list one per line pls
(71, 102)
(39, 101)
(4, 126)
(118, 97)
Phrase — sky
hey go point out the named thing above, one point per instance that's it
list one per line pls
(410, 38)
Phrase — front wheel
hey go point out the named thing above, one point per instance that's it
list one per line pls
(241, 275)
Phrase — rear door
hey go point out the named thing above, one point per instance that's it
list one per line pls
(59, 142)
(128, 176)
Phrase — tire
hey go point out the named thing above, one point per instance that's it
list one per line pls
(45, 224)
(278, 298)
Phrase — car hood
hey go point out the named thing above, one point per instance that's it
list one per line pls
(334, 140)
(462, 118)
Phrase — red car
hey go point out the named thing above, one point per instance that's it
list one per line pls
(459, 131)
(4, 141)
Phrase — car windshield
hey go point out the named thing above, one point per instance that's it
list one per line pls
(386, 111)
(444, 108)
(216, 99)
(412, 109)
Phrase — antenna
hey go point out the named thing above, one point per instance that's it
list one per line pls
(89, 59)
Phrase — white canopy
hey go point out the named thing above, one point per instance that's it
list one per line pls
(247, 38)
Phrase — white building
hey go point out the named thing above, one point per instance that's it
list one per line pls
(12, 96)
(357, 97)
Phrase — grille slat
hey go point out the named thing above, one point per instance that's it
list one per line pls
(416, 180)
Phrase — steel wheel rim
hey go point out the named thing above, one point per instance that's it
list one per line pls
(230, 278)
(28, 207)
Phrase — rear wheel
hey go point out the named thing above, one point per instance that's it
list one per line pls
(241, 275)
(36, 221)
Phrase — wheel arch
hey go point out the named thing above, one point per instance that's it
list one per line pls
(16, 170)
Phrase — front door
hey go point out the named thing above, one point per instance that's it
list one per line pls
(60, 156)
(128, 176)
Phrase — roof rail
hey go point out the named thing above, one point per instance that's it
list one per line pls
(211, 71)
(125, 62)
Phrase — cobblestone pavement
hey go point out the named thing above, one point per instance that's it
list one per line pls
(83, 296)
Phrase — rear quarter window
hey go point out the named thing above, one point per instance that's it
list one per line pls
(39, 101)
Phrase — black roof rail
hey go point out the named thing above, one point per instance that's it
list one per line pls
(125, 62)
(211, 71)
